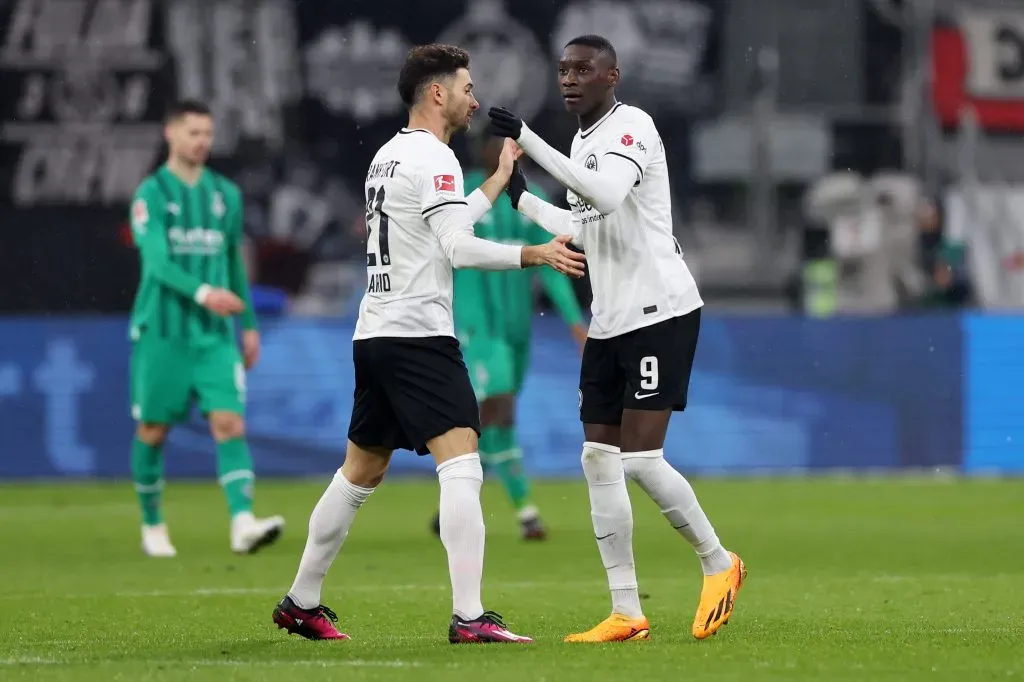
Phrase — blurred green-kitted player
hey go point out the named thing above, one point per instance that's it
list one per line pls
(493, 319)
(187, 225)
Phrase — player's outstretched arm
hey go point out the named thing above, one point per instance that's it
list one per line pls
(454, 231)
(481, 199)
(554, 220)
(604, 190)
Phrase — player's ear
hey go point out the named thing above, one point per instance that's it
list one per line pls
(613, 76)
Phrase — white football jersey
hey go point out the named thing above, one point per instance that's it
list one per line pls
(409, 277)
(636, 265)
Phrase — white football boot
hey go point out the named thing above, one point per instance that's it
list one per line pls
(156, 542)
(249, 534)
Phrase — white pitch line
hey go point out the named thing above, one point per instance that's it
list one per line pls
(351, 663)
(229, 591)
(206, 663)
(28, 660)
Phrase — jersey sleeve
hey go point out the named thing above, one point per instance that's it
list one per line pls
(635, 139)
(441, 184)
(149, 231)
(238, 278)
(605, 187)
(446, 211)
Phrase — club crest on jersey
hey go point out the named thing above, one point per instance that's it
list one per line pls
(218, 207)
(627, 140)
(591, 162)
(444, 183)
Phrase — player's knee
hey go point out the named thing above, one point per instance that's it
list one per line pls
(453, 443)
(226, 426)
(152, 434)
(602, 464)
(365, 467)
(638, 465)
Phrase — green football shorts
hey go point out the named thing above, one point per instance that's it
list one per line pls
(168, 377)
(496, 365)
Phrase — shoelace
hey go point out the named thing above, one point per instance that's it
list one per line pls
(331, 615)
(493, 618)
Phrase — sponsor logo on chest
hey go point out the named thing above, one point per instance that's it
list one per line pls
(195, 241)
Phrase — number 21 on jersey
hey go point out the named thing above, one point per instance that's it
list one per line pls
(377, 219)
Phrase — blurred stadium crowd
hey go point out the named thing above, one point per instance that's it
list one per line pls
(876, 177)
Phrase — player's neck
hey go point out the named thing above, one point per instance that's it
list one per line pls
(589, 119)
(437, 126)
(186, 172)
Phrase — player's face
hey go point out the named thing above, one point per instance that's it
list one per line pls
(585, 76)
(190, 138)
(460, 102)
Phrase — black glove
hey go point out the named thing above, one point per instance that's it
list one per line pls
(504, 123)
(516, 184)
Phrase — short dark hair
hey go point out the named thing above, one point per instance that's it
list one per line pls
(597, 42)
(426, 63)
(186, 106)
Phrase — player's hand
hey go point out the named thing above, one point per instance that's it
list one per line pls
(517, 181)
(579, 334)
(504, 123)
(556, 255)
(506, 161)
(223, 302)
(250, 348)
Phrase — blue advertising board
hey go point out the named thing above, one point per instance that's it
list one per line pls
(768, 394)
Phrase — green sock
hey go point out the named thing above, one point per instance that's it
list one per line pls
(499, 449)
(234, 472)
(148, 477)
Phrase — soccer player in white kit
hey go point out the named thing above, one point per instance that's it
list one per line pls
(646, 318)
(412, 388)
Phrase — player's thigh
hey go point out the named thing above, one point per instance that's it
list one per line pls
(602, 383)
(161, 389)
(219, 380)
(657, 362)
(490, 364)
(373, 425)
(432, 397)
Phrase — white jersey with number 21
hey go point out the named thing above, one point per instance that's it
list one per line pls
(409, 277)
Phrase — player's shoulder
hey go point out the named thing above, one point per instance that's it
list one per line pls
(627, 114)
(224, 184)
(150, 187)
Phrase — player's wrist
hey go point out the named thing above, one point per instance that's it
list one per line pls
(530, 256)
(202, 293)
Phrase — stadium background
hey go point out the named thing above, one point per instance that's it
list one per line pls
(304, 93)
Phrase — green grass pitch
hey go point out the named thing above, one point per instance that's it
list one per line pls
(875, 579)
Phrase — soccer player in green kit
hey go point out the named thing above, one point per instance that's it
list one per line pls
(493, 316)
(187, 225)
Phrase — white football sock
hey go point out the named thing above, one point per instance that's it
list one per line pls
(462, 531)
(328, 528)
(613, 524)
(675, 497)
